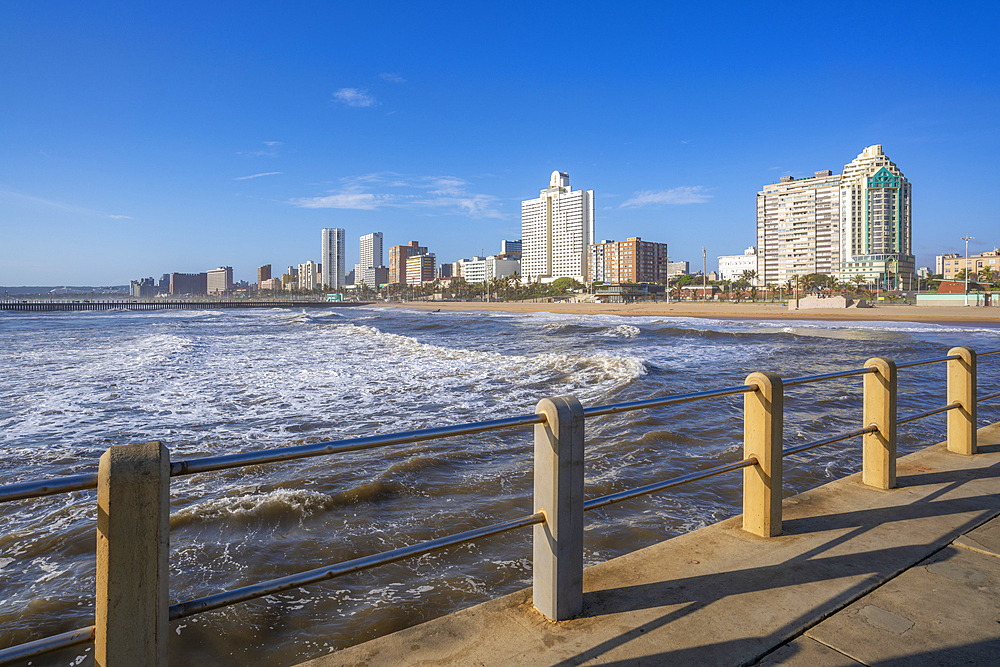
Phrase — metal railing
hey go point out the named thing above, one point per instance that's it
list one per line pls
(558, 499)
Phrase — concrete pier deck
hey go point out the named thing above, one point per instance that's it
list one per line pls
(908, 576)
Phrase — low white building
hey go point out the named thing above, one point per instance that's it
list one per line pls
(482, 269)
(731, 267)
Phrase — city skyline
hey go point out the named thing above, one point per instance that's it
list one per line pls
(146, 141)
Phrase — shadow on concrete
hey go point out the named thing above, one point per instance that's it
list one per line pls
(870, 568)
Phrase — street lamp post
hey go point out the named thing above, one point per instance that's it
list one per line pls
(704, 276)
(967, 239)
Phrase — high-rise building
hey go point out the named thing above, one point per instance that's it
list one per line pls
(263, 273)
(220, 280)
(332, 258)
(309, 275)
(398, 254)
(188, 283)
(371, 259)
(875, 222)
(798, 223)
(556, 229)
(630, 261)
(853, 224)
(420, 269)
(142, 288)
(511, 249)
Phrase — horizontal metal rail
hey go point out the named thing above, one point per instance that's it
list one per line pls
(798, 449)
(924, 362)
(911, 418)
(612, 498)
(666, 400)
(48, 487)
(826, 376)
(192, 466)
(226, 598)
(29, 650)
(988, 398)
(986, 354)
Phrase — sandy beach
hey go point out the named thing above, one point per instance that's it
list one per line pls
(736, 311)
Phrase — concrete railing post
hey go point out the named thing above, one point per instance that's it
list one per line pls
(962, 389)
(879, 460)
(558, 543)
(762, 437)
(133, 524)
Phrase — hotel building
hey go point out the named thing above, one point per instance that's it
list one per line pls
(556, 230)
(332, 258)
(220, 280)
(855, 223)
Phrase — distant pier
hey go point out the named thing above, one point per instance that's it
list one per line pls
(48, 306)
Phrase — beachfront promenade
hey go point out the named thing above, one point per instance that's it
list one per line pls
(858, 575)
(817, 576)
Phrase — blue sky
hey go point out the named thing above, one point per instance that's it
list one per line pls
(140, 140)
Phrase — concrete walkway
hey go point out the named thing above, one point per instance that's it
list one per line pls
(908, 576)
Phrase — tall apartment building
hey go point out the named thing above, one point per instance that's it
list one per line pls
(798, 227)
(855, 223)
(371, 260)
(220, 280)
(629, 261)
(398, 254)
(310, 275)
(263, 273)
(332, 258)
(420, 269)
(556, 230)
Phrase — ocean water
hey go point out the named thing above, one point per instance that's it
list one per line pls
(206, 383)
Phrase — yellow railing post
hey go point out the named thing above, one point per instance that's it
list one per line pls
(879, 448)
(133, 525)
(762, 437)
(558, 543)
(962, 390)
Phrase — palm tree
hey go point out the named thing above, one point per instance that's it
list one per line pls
(749, 275)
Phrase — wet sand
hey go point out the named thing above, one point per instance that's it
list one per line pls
(735, 311)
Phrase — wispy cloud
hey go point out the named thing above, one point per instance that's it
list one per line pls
(354, 97)
(270, 151)
(392, 77)
(442, 194)
(247, 178)
(364, 201)
(69, 208)
(695, 194)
